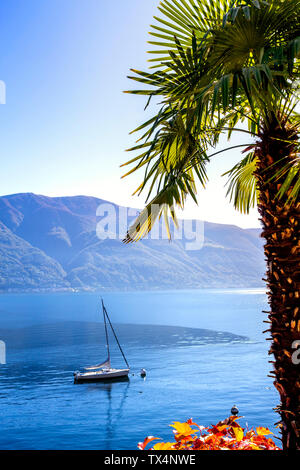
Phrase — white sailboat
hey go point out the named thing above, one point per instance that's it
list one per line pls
(103, 371)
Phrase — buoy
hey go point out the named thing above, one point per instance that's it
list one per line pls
(143, 373)
(234, 410)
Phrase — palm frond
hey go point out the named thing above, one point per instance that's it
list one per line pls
(162, 204)
(242, 187)
(215, 64)
(289, 174)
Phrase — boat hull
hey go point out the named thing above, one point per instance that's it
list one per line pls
(101, 376)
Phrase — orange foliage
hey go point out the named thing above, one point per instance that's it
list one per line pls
(226, 435)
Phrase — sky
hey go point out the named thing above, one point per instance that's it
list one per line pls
(65, 125)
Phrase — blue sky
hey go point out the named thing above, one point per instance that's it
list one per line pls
(66, 122)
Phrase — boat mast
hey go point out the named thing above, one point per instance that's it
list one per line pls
(104, 310)
(105, 325)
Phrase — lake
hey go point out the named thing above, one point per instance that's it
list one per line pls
(191, 372)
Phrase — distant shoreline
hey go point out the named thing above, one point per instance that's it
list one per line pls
(236, 289)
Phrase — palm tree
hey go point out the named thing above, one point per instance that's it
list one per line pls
(218, 65)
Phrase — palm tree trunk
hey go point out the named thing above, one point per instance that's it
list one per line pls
(281, 230)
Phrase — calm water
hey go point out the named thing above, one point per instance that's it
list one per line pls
(191, 372)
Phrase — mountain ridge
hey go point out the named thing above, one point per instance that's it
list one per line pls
(50, 243)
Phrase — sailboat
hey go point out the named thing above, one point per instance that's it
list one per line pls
(103, 371)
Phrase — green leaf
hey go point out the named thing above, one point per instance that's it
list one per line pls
(242, 187)
(217, 64)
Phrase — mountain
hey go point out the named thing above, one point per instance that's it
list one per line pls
(24, 265)
(51, 244)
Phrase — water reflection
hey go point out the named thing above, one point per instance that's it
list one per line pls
(114, 413)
